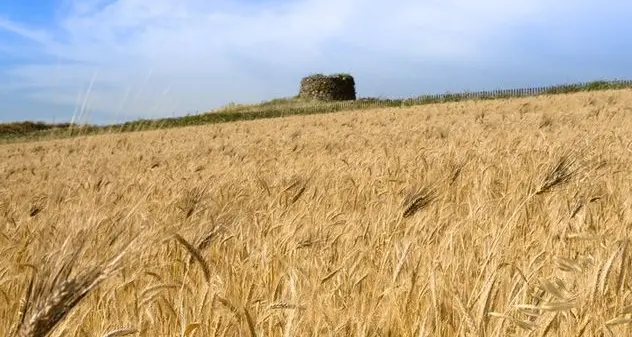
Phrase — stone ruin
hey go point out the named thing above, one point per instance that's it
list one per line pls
(337, 87)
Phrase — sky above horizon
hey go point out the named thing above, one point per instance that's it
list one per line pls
(107, 61)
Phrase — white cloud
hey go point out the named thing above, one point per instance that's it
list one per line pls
(163, 56)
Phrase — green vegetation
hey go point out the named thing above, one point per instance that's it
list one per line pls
(281, 107)
(22, 128)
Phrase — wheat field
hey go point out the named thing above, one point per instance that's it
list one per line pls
(490, 218)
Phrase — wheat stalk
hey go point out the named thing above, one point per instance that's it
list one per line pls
(50, 297)
(121, 332)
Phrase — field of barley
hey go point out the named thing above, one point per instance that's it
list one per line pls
(483, 218)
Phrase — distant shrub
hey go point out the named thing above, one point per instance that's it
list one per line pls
(21, 128)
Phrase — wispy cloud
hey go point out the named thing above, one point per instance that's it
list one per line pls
(24, 32)
(155, 58)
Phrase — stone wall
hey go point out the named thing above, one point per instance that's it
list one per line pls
(337, 87)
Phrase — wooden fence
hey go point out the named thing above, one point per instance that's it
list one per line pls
(518, 92)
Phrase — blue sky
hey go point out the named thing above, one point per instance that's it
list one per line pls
(105, 61)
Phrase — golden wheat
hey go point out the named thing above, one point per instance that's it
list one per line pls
(490, 218)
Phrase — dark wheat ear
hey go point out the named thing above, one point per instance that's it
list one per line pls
(560, 174)
(418, 199)
(196, 255)
(203, 242)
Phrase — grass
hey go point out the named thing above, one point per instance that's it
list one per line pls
(281, 107)
(464, 218)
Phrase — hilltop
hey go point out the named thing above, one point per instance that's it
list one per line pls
(282, 107)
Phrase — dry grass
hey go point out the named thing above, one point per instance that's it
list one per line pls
(492, 218)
